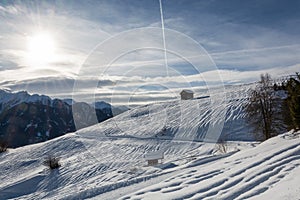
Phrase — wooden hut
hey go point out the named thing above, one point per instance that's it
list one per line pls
(186, 94)
(154, 158)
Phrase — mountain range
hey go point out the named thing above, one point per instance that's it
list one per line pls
(27, 119)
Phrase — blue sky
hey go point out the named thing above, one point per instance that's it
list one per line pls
(239, 39)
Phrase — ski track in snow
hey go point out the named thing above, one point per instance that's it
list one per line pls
(234, 177)
(106, 161)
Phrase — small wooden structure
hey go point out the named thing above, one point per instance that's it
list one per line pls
(186, 94)
(154, 158)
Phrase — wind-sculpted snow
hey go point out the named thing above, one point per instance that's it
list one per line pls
(197, 174)
(106, 161)
(184, 120)
(243, 175)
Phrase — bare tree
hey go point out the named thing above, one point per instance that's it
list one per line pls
(261, 110)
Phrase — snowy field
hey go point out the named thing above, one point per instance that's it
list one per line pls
(106, 161)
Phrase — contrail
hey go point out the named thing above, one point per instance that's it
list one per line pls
(164, 38)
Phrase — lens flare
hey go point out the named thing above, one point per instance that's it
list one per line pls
(40, 48)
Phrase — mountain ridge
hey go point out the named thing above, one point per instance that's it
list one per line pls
(27, 119)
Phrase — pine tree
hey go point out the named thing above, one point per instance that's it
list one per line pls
(293, 101)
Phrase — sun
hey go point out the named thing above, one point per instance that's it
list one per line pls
(40, 48)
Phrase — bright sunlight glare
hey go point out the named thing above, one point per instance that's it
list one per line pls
(40, 48)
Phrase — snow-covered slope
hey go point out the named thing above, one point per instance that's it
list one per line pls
(184, 120)
(258, 173)
(106, 161)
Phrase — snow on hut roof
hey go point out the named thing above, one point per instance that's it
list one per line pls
(154, 155)
(187, 91)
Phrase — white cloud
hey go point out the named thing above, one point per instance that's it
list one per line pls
(10, 9)
(240, 50)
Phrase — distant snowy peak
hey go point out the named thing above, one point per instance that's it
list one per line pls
(106, 107)
(42, 118)
(11, 99)
(101, 105)
(69, 101)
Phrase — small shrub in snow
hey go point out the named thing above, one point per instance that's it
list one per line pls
(221, 146)
(133, 170)
(52, 162)
(3, 146)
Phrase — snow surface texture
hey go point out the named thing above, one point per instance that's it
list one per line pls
(259, 173)
(106, 161)
(184, 120)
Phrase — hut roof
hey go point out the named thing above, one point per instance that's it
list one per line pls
(187, 91)
(154, 155)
